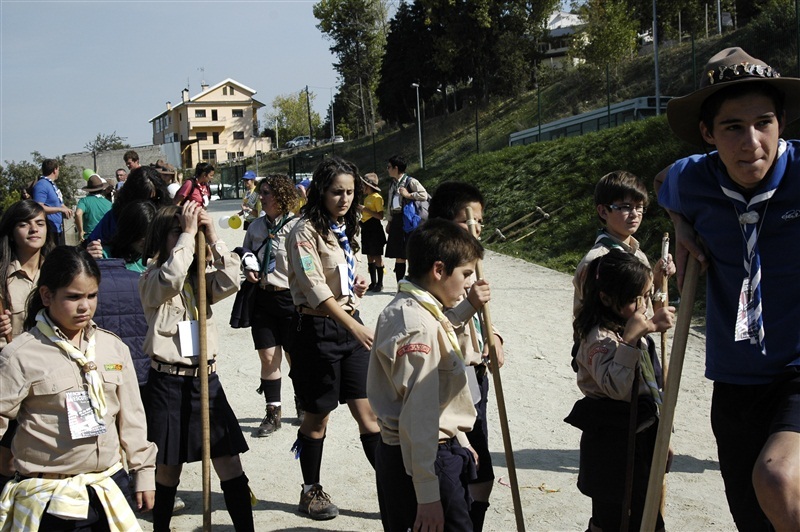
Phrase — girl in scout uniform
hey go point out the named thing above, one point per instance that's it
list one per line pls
(169, 298)
(330, 351)
(73, 390)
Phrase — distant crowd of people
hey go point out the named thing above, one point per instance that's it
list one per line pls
(100, 401)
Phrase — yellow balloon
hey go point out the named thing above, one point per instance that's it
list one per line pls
(235, 221)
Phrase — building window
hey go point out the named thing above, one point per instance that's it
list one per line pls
(238, 135)
(231, 155)
(238, 113)
(215, 137)
(201, 135)
(231, 91)
(214, 115)
(240, 154)
(199, 113)
(224, 91)
(209, 155)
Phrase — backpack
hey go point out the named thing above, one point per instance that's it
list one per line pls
(415, 212)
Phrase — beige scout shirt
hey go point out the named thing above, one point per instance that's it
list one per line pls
(165, 303)
(418, 389)
(35, 376)
(316, 267)
(257, 232)
(606, 366)
(19, 287)
(598, 250)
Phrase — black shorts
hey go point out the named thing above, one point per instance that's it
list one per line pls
(397, 240)
(329, 365)
(271, 322)
(373, 237)
(174, 424)
(743, 418)
(479, 435)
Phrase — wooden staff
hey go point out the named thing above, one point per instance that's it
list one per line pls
(488, 337)
(664, 355)
(205, 424)
(3, 311)
(671, 387)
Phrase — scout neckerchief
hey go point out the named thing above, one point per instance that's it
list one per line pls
(649, 374)
(85, 361)
(344, 242)
(429, 303)
(747, 212)
(607, 241)
(268, 261)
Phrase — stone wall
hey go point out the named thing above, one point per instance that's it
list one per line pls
(109, 161)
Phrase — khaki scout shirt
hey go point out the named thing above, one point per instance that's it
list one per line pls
(316, 264)
(606, 366)
(19, 287)
(164, 301)
(35, 376)
(418, 389)
(598, 250)
(257, 232)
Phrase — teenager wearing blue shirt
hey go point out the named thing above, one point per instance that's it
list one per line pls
(742, 200)
(47, 194)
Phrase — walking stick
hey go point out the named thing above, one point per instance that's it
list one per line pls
(664, 356)
(625, 520)
(486, 322)
(671, 387)
(3, 311)
(205, 424)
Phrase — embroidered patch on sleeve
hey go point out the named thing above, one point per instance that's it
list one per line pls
(307, 262)
(112, 367)
(597, 350)
(413, 348)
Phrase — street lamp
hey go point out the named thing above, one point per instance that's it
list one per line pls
(419, 127)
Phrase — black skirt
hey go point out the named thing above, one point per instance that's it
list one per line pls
(373, 237)
(396, 244)
(173, 419)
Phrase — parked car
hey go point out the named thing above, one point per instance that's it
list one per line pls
(298, 142)
(337, 139)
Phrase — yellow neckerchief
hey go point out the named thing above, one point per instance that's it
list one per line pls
(430, 304)
(23, 502)
(86, 361)
(189, 300)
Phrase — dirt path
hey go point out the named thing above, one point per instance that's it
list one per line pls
(532, 308)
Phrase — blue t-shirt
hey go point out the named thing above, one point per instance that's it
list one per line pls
(46, 192)
(692, 188)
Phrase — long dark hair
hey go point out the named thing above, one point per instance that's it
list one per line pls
(132, 226)
(21, 211)
(155, 245)
(143, 183)
(59, 269)
(314, 209)
(622, 278)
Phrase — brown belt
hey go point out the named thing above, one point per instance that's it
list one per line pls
(183, 371)
(308, 311)
(47, 476)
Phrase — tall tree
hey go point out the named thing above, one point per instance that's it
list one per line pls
(291, 113)
(109, 142)
(609, 33)
(358, 30)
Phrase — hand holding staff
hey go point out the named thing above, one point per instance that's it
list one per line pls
(486, 322)
(200, 249)
(659, 463)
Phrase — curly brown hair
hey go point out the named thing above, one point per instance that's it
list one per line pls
(283, 189)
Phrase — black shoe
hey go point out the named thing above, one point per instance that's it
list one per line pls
(377, 288)
(371, 287)
(271, 422)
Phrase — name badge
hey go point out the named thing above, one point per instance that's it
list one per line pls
(344, 279)
(189, 338)
(82, 423)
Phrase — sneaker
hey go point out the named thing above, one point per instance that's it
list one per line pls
(178, 505)
(271, 422)
(317, 504)
(300, 412)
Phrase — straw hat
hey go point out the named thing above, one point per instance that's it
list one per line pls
(95, 184)
(731, 65)
(371, 180)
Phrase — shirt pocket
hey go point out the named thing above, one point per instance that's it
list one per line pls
(49, 398)
(168, 318)
(111, 381)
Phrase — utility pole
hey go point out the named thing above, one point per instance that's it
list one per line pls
(310, 128)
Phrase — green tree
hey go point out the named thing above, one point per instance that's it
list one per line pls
(104, 142)
(18, 175)
(291, 113)
(358, 31)
(609, 33)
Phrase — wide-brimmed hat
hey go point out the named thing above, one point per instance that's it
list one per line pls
(371, 180)
(248, 175)
(95, 184)
(731, 65)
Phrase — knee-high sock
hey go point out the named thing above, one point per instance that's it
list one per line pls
(370, 442)
(373, 272)
(379, 271)
(271, 390)
(309, 450)
(400, 270)
(477, 513)
(162, 509)
(237, 501)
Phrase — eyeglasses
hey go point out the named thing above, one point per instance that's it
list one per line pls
(627, 208)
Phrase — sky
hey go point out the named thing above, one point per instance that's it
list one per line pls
(72, 69)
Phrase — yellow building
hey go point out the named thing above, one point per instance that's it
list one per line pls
(218, 124)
